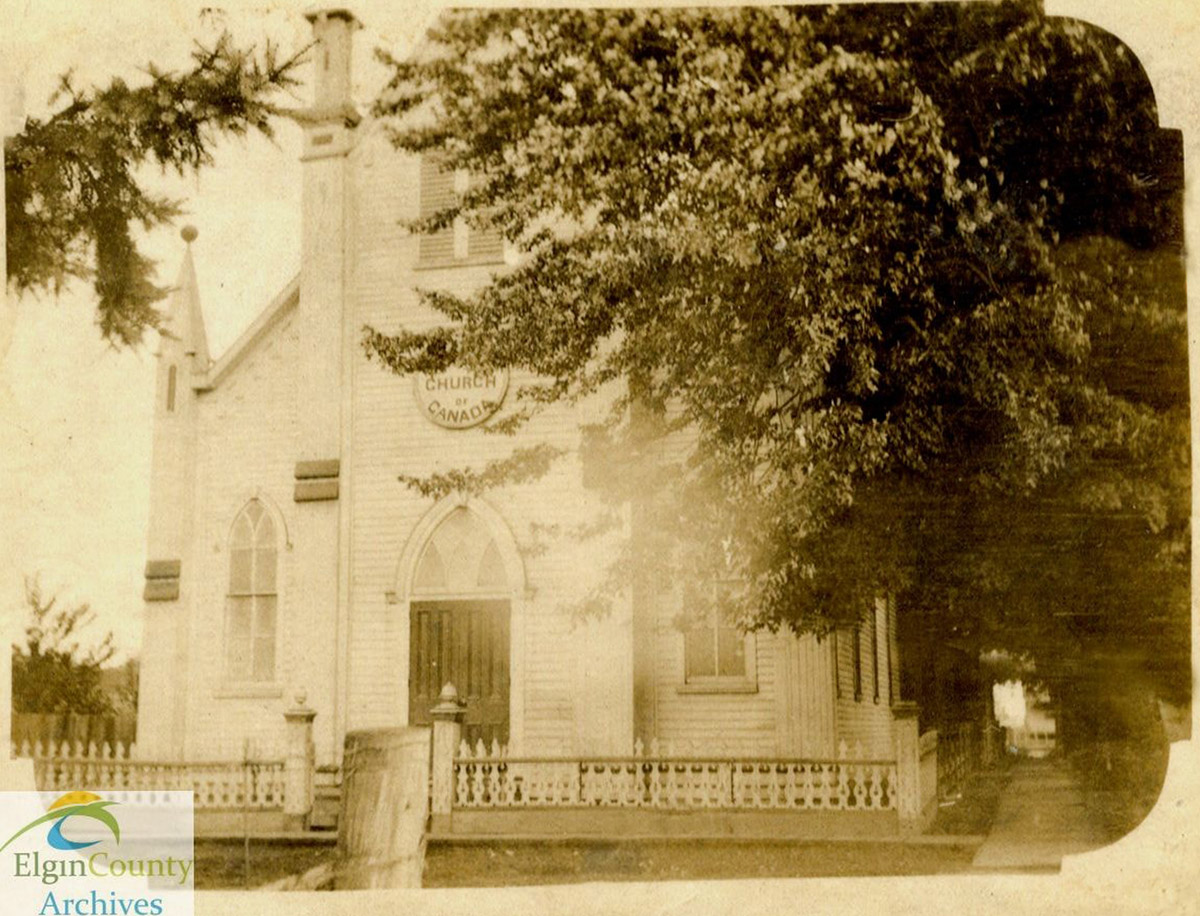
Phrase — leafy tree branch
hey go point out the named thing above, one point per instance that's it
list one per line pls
(74, 195)
(908, 278)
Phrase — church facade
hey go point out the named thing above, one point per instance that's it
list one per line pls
(286, 558)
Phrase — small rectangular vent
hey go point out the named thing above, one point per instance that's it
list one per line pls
(316, 481)
(162, 580)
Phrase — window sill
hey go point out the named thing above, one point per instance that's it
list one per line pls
(248, 692)
(733, 685)
(451, 264)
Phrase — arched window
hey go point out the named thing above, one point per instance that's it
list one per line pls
(460, 558)
(170, 389)
(250, 615)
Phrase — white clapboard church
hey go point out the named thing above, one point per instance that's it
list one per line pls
(286, 558)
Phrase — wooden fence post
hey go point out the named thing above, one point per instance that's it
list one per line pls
(447, 718)
(298, 765)
(385, 807)
(908, 766)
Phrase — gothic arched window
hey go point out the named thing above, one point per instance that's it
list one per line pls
(461, 557)
(250, 614)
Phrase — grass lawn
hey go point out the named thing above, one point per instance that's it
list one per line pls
(499, 862)
(1121, 781)
(222, 863)
(973, 811)
(512, 862)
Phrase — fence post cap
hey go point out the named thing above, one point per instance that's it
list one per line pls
(301, 711)
(449, 707)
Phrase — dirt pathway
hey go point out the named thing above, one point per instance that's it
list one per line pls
(1040, 818)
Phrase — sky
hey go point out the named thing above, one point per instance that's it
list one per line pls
(75, 414)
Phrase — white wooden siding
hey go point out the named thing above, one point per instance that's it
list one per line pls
(558, 677)
(867, 720)
(245, 445)
(743, 723)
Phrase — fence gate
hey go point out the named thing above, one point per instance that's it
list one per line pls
(464, 642)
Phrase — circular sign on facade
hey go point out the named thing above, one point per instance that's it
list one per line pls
(459, 398)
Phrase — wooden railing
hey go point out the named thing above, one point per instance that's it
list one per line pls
(250, 783)
(659, 776)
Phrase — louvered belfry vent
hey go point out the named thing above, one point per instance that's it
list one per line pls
(456, 244)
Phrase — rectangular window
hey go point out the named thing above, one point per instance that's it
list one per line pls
(888, 629)
(875, 651)
(456, 244)
(714, 648)
(856, 651)
(837, 666)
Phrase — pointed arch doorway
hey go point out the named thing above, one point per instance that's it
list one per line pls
(459, 617)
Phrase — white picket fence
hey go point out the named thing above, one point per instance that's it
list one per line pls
(255, 783)
(660, 775)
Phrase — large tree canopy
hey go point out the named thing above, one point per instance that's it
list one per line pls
(907, 277)
(74, 193)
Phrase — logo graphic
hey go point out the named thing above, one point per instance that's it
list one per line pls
(73, 804)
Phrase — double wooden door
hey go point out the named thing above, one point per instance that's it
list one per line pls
(465, 643)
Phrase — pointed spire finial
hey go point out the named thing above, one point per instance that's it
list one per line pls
(185, 316)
